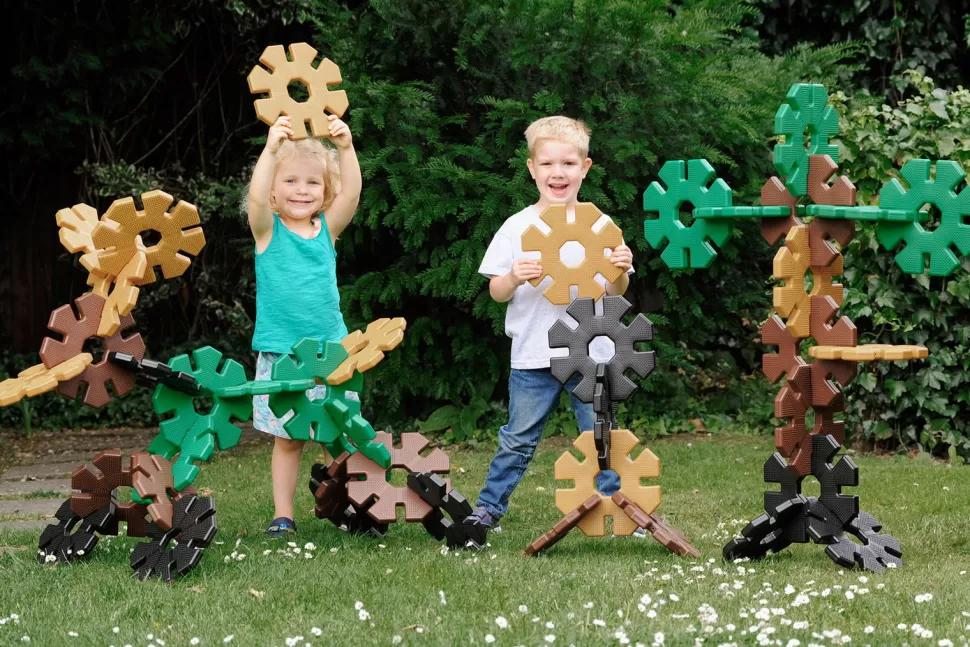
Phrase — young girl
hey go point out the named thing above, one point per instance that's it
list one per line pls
(301, 198)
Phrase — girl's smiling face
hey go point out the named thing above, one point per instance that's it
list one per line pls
(297, 191)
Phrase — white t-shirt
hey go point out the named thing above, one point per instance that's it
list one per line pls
(530, 315)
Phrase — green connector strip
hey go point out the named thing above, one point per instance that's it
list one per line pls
(741, 212)
(264, 387)
(872, 214)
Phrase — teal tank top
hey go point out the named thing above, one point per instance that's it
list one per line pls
(296, 290)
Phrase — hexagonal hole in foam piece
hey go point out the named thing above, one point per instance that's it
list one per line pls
(572, 253)
(601, 349)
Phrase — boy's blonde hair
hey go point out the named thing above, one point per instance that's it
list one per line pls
(316, 149)
(563, 129)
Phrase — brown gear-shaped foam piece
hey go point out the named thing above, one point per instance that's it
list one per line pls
(659, 529)
(76, 225)
(821, 231)
(75, 329)
(795, 396)
(151, 476)
(790, 265)
(99, 374)
(630, 471)
(827, 425)
(842, 333)
(316, 79)
(367, 348)
(581, 231)
(153, 481)
(331, 495)
(824, 392)
(840, 193)
(376, 486)
(823, 282)
(122, 298)
(563, 526)
(870, 352)
(774, 193)
(40, 379)
(774, 332)
(795, 443)
(116, 236)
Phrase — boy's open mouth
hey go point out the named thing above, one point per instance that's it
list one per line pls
(559, 188)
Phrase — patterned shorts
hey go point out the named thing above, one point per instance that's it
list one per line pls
(263, 418)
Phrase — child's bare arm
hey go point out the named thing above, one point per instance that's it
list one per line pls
(260, 211)
(501, 288)
(340, 213)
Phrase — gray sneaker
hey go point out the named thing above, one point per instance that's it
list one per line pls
(480, 516)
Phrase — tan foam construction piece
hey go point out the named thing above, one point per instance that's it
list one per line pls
(869, 352)
(76, 225)
(281, 73)
(790, 264)
(122, 298)
(630, 471)
(40, 379)
(117, 240)
(581, 231)
(367, 348)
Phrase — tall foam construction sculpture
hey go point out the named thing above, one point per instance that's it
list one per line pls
(810, 210)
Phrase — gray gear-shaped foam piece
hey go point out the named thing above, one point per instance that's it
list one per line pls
(776, 471)
(607, 325)
(875, 553)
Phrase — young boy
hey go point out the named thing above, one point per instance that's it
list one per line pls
(558, 162)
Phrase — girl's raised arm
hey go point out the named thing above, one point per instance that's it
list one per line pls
(344, 205)
(260, 210)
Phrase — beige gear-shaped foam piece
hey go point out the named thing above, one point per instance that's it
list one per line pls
(869, 352)
(117, 240)
(300, 68)
(790, 265)
(122, 298)
(76, 225)
(630, 471)
(594, 243)
(367, 348)
(40, 379)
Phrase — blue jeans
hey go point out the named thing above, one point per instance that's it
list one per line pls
(533, 394)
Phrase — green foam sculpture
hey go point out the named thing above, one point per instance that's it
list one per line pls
(805, 112)
(330, 420)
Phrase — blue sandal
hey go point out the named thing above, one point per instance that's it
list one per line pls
(281, 527)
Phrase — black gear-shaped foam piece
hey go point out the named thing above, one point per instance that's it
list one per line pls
(151, 373)
(607, 325)
(776, 471)
(193, 529)
(453, 529)
(832, 478)
(73, 538)
(765, 533)
(876, 551)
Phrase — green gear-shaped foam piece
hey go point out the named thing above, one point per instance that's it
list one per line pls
(939, 192)
(336, 417)
(687, 246)
(194, 434)
(806, 111)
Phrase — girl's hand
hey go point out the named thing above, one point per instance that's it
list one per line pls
(622, 257)
(339, 132)
(525, 270)
(278, 132)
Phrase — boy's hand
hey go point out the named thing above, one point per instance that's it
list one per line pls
(339, 132)
(622, 257)
(525, 270)
(278, 132)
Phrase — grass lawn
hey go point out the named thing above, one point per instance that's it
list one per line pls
(404, 589)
